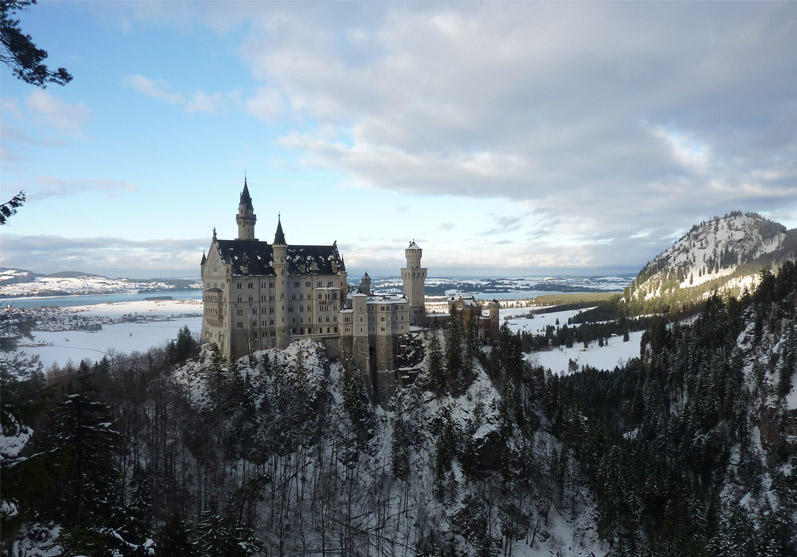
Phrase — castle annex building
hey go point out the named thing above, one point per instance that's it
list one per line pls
(259, 295)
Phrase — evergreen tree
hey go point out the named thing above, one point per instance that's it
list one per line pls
(87, 447)
(174, 539)
(437, 375)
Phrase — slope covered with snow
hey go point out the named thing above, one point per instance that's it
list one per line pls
(724, 254)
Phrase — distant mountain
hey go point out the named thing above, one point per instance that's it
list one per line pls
(20, 282)
(724, 254)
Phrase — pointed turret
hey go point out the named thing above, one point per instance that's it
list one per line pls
(246, 217)
(203, 259)
(365, 284)
(279, 236)
(246, 199)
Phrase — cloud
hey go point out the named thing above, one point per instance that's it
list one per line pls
(266, 104)
(611, 124)
(10, 107)
(48, 187)
(503, 224)
(199, 101)
(59, 115)
(631, 118)
(212, 102)
(111, 256)
(155, 88)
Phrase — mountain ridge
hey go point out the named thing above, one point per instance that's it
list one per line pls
(724, 254)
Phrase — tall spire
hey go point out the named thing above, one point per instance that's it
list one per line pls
(246, 199)
(279, 237)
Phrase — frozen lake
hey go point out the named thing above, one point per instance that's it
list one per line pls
(89, 299)
(119, 337)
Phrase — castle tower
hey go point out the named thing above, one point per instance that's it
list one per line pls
(413, 277)
(494, 309)
(365, 284)
(246, 217)
(279, 251)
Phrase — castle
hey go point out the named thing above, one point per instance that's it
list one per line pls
(259, 295)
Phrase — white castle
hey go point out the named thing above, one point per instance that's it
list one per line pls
(259, 295)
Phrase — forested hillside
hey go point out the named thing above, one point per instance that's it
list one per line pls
(688, 450)
(724, 254)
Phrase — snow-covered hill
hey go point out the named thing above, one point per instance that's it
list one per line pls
(725, 254)
(19, 282)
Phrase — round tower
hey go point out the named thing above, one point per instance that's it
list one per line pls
(413, 277)
(246, 217)
(279, 250)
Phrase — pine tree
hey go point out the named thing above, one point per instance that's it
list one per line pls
(174, 539)
(437, 376)
(453, 349)
(87, 448)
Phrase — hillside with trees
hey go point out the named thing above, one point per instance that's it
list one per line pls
(686, 450)
(724, 254)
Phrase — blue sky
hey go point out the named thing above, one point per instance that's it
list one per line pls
(506, 138)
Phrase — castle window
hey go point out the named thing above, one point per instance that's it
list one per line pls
(271, 284)
(240, 324)
(240, 298)
(318, 283)
(238, 285)
(293, 296)
(250, 284)
(308, 283)
(251, 298)
(254, 311)
(296, 284)
(240, 312)
(336, 329)
(383, 329)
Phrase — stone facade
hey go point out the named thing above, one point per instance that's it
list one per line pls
(259, 295)
(470, 309)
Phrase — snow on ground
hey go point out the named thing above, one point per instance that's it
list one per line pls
(11, 445)
(791, 397)
(615, 352)
(538, 323)
(149, 308)
(119, 337)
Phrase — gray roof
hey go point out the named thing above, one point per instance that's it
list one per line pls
(256, 258)
(279, 237)
(246, 199)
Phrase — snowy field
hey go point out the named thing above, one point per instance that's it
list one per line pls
(615, 352)
(119, 337)
(538, 323)
(557, 360)
(147, 308)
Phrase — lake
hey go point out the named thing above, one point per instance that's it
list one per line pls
(91, 299)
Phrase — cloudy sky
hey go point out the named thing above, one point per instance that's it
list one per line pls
(507, 139)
